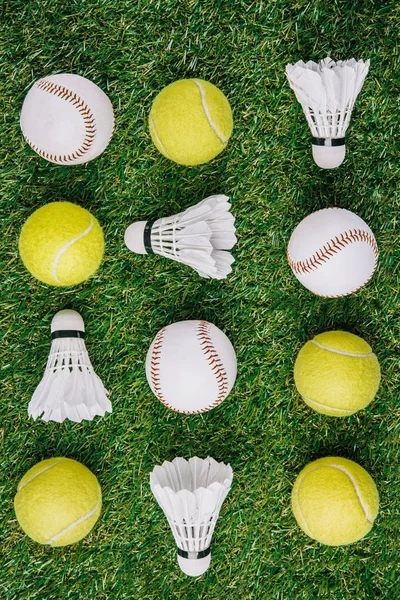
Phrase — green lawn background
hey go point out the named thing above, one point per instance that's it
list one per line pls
(132, 50)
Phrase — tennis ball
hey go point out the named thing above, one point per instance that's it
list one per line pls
(58, 501)
(61, 244)
(190, 121)
(337, 373)
(335, 501)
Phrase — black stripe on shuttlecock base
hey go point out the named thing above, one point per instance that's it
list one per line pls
(329, 142)
(195, 555)
(147, 236)
(68, 333)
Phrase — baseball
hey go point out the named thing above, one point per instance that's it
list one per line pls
(332, 252)
(191, 366)
(67, 119)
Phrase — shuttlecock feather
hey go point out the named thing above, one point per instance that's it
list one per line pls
(70, 389)
(327, 92)
(191, 493)
(198, 237)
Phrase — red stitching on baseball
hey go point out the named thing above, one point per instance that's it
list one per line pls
(332, 247)
(155, 366)
(203, 334)
(87, 115)
(216, 364)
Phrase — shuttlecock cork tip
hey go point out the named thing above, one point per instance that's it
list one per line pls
(134, 237)
(67, 320)
(328, 157)
(194, 567)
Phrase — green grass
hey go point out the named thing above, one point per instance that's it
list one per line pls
(131, 50)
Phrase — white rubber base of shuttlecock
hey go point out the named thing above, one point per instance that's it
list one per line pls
(194, 567)
(328, 157)
(134, 237)
(66, 320)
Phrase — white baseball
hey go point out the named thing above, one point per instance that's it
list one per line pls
(333, 252)
(67, 119)
(191, 366)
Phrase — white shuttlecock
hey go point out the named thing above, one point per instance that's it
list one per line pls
(327, 91)
(191, 493)
(70, 389)
(198, 237)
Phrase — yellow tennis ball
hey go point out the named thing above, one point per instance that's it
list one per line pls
(337, 373)
(61, 244)
(335, 501)
(58, 501)
(190, 121)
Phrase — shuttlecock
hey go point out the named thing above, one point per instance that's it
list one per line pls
(198, 237)
(70, 389)
(191, 493)
(327, 91)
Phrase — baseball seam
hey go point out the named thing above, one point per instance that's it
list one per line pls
(213, 359)
(209, 351)
(155, 361)
(208, 114)
(68, 245)
(341, 351)
(85, 112)
(77, 522)
(332, 247)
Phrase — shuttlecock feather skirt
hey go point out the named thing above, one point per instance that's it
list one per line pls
(70, 389)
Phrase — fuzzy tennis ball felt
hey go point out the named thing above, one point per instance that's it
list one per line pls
(190, 121)
(337, 373)
(61, 244)
(58, 501)
(335, 501)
